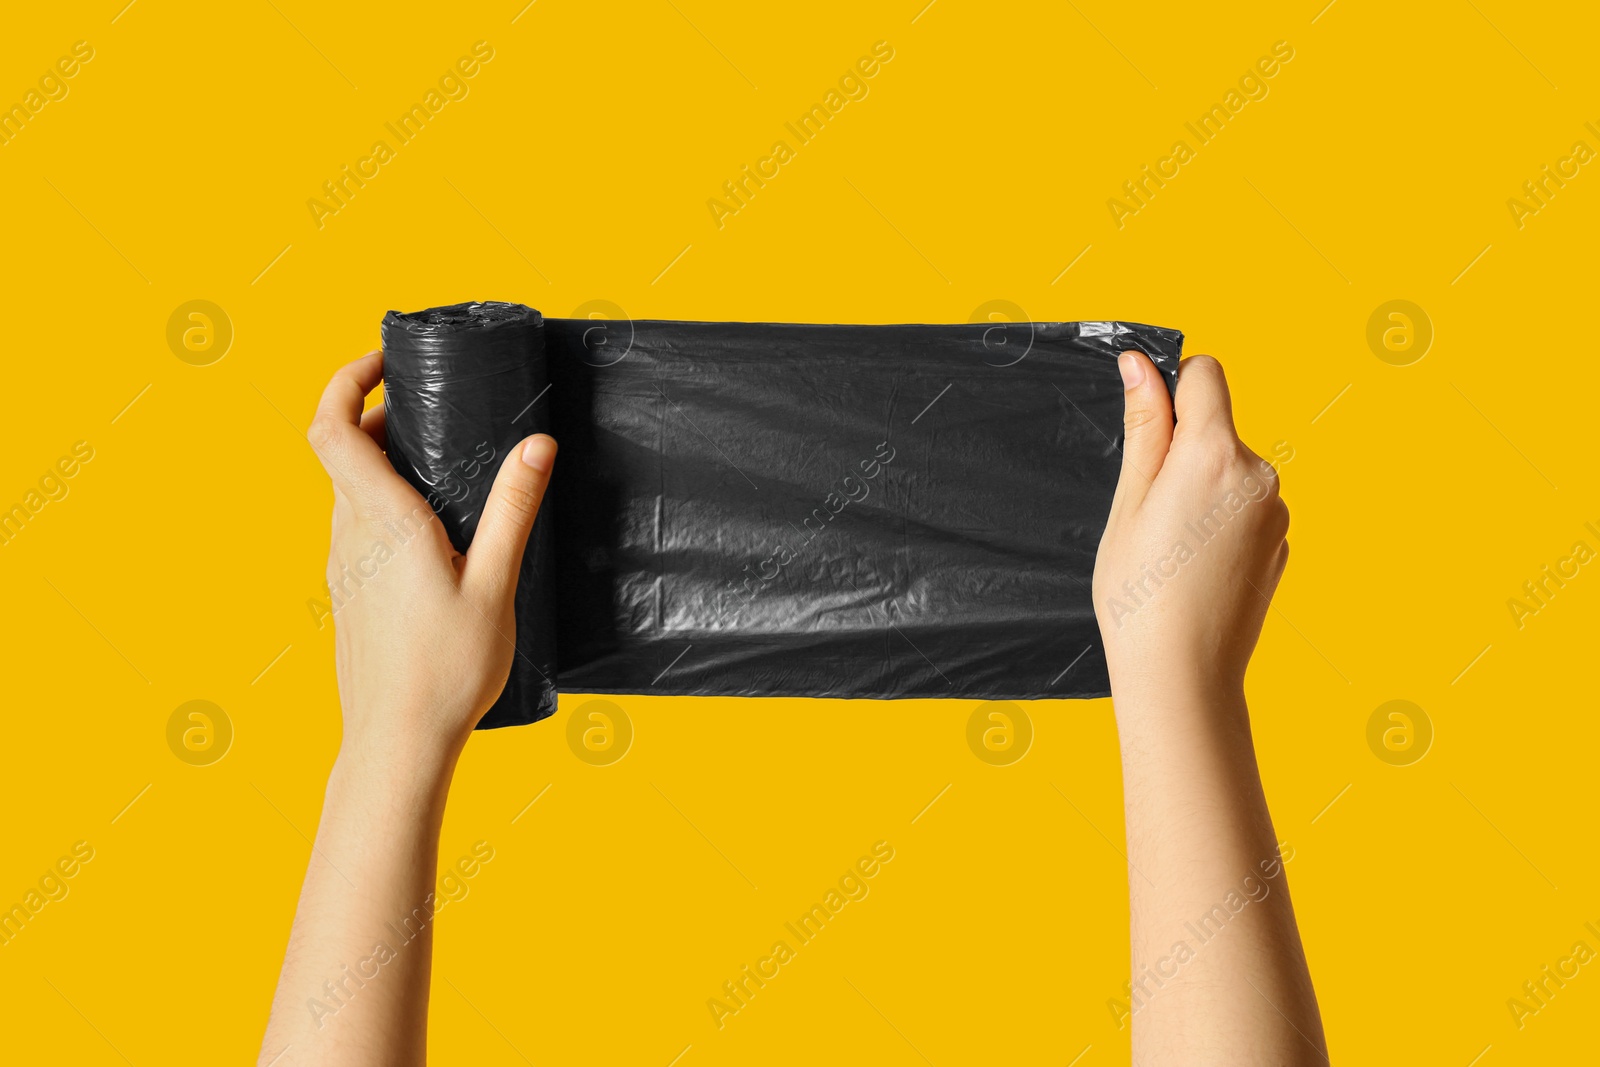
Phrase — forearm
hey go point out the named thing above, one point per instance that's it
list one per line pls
(421, 655)
(354, 987)
(1218, 972)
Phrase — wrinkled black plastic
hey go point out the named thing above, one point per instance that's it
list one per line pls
(781, 510)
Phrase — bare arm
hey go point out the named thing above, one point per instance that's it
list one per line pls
(423, 647)
(1192, 554)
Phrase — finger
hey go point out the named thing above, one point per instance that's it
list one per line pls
(1203, 400)
(347, 392)
(495, 557)
(1147, 427)
(352, 459)
(375, 423)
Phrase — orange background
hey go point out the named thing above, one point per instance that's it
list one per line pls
(1378, 166)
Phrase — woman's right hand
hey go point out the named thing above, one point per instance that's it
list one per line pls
(1194, 547)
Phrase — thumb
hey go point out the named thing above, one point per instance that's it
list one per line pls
(1147, 428)
(495, 557)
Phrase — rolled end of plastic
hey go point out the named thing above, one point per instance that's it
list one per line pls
(462, 384)
(493, 334)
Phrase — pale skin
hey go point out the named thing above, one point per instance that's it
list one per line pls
(1177, 647)
(425, 645)
(422, 650)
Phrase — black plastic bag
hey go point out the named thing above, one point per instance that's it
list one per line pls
(764, 509)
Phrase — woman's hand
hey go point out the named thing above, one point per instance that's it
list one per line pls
(1195, 544)
(1191, 556)
(423, 645)
(424, 635)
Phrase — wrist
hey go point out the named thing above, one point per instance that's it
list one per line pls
(409, 772)
(1191, 737)
(1176, 692)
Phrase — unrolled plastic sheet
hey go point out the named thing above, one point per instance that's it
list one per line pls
(760, 509)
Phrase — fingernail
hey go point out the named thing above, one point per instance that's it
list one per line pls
(1132, 369)
(540, 453)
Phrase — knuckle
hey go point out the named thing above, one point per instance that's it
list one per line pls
(1213, 465)
(519, 502)
(1134, 420)
(1215, 445)
(323, 433)
(1220, 430)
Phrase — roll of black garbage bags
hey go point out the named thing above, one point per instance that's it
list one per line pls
(463, 385)
(761, 509)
